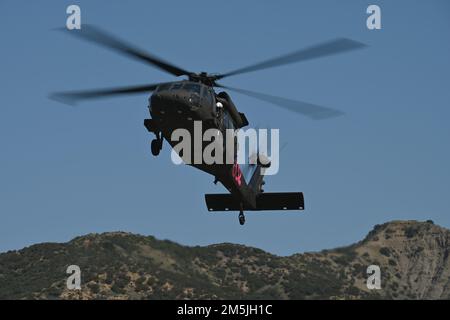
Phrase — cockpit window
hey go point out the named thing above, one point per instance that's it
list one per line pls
(177, 86)
(164, 87)
(192, 87)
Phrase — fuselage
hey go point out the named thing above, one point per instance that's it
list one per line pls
(180, 105)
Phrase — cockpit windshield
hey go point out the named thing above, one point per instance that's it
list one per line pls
(177, 86)
(193, 87)
(164, 86)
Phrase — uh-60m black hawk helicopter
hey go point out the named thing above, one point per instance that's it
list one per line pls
(178, 104)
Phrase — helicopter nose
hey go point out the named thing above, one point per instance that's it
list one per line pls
(182, 103)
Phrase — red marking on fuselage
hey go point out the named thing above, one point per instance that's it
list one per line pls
(237, 174)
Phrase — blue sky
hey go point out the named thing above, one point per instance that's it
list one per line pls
(69, 171)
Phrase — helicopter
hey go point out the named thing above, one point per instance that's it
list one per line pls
(179, 104)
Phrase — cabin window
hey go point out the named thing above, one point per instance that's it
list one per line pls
(228, 121)
(207, 96)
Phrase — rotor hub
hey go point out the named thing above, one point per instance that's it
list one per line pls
(203, 77)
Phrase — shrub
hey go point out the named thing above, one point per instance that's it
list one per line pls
(385, 251)
(95, 288)
(411, 232)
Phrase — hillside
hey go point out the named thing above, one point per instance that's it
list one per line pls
(413, 257)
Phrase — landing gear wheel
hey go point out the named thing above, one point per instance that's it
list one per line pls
(241, 218)
(156, 147)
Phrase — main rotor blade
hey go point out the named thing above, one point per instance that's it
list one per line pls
(312, 111)
(71, 97)
(98, 36)
(332, 47)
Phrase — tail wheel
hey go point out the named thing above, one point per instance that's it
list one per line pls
(241, 218)
(156, 147)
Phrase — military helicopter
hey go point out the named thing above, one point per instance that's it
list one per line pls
(179, 104)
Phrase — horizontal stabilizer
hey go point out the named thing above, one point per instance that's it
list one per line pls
(264, 201)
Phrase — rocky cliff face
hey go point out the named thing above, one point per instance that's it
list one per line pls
(413, 258)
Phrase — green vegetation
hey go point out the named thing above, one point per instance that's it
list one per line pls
(385, 251)
(123, 265)
(411, 232)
